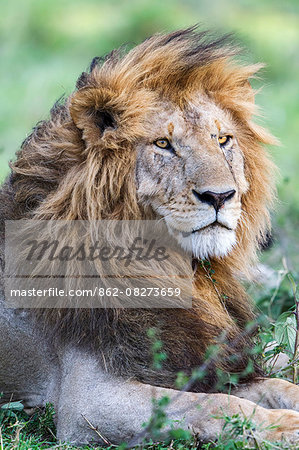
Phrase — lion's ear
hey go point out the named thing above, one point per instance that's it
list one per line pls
(104, 120)
(94, 112)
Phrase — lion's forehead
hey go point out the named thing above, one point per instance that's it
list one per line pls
(199, 118)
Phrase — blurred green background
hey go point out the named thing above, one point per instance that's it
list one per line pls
(46, 44)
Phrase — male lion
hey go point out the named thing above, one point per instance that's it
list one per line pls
(163, 132)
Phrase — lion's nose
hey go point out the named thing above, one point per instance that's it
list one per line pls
(214, 198)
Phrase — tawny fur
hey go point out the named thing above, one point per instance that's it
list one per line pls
(75, 166)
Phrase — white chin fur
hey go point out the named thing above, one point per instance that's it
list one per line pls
(210, 242)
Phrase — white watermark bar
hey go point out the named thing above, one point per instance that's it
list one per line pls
(94, 293)
(99, 264)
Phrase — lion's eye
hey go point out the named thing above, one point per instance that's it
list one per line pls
(163, 143)
(223, 140)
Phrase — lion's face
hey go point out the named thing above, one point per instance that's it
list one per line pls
(190, 170)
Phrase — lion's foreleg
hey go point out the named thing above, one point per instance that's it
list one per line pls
(93, 403)
(271, 393)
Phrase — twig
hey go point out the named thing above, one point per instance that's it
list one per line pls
(273, 362)
(92, 427)
(287, 366)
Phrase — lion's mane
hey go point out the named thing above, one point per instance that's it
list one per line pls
(69, 168)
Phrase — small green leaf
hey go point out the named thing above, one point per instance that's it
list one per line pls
(13, 406)
(285, 330)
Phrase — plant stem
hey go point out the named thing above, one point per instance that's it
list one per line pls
(296, 349)
(296, 312)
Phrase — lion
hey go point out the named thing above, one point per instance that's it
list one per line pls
(163, 132)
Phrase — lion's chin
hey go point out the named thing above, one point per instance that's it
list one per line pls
(215, 241)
